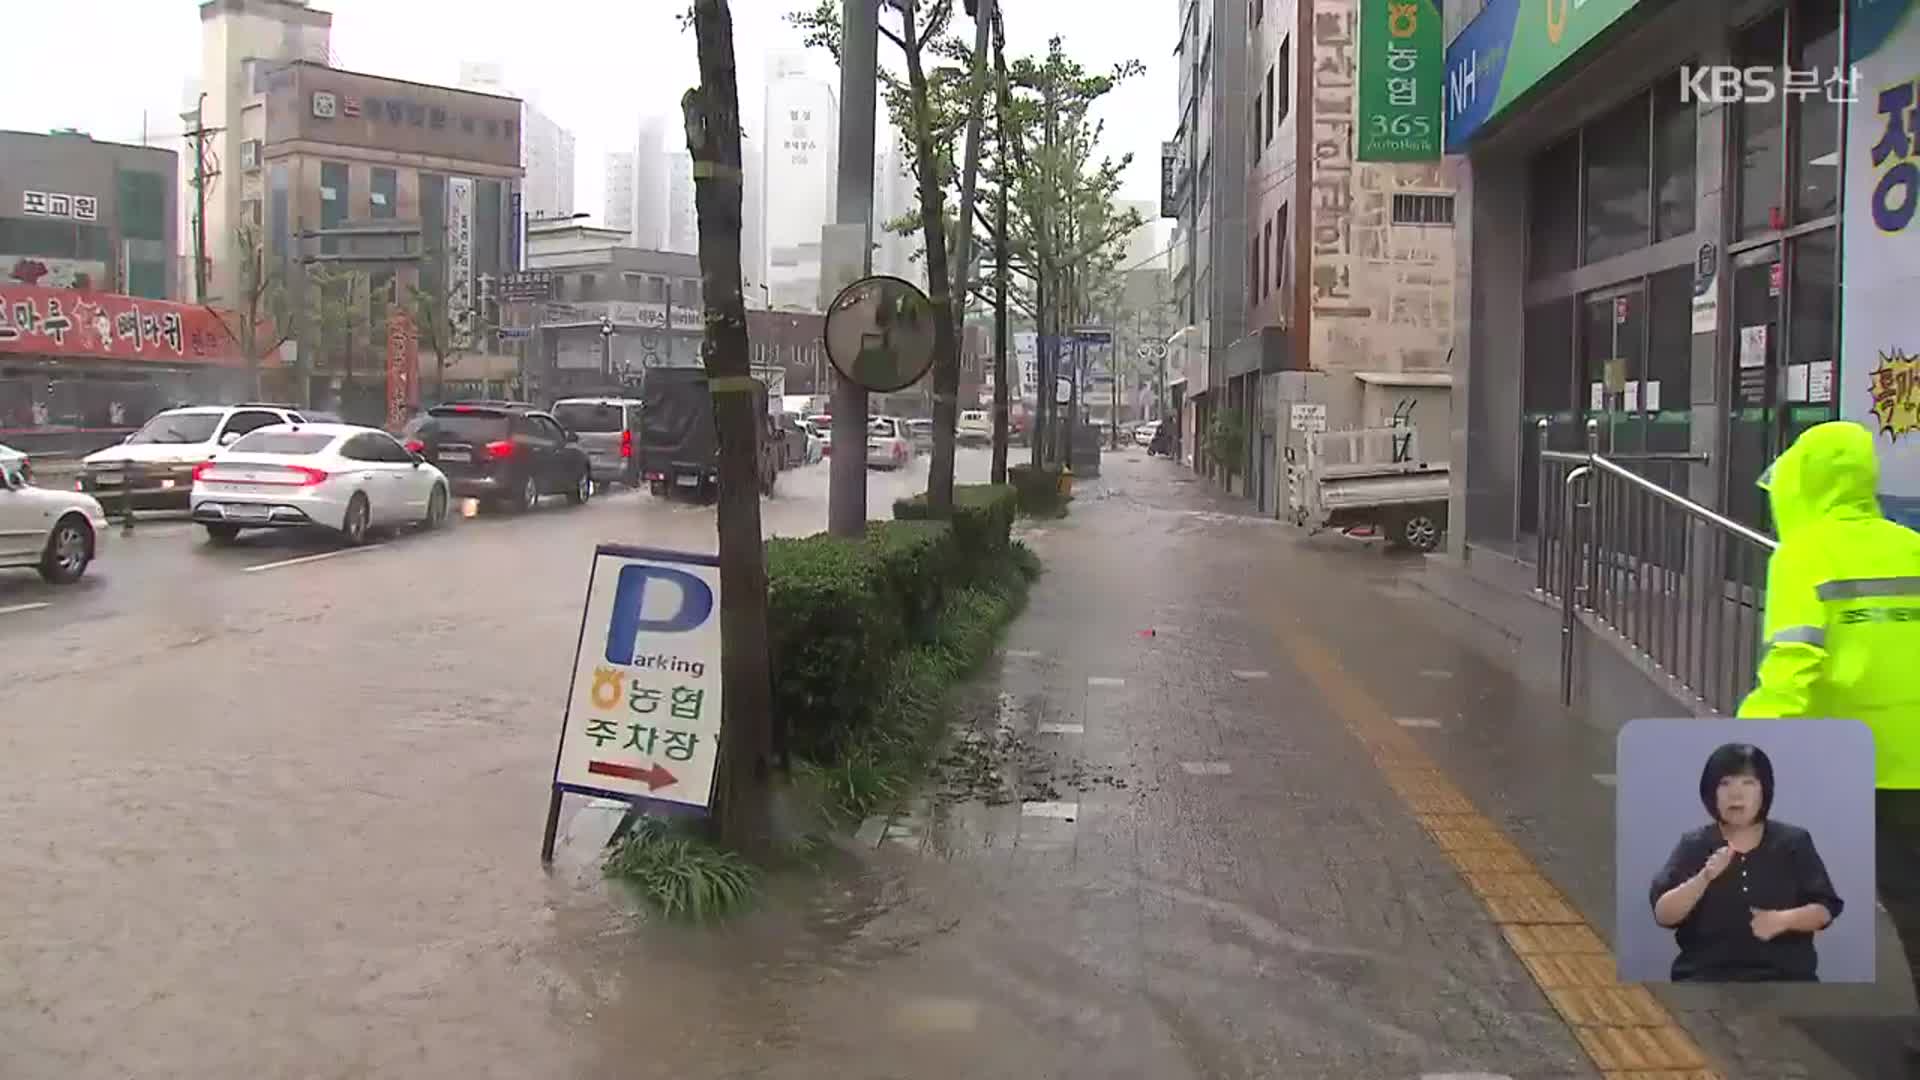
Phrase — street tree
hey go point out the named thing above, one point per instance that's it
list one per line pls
(266, 317)
(429, 304)
(743, 785)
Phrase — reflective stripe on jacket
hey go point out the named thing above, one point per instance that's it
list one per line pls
(1841, 636)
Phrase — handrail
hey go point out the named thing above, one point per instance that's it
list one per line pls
(1677, 582)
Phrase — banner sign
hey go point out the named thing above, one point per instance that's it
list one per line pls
(1879, 338)
(1508, 49)
(643, 712)
(1401, 55)
(109, 326)
(403, 368)
(526, 285)
(682, 317)
(460, 260)
(1169, 179)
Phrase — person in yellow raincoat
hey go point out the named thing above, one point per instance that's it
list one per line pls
(1841, 638)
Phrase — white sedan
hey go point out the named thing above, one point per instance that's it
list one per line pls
(55, 532)
(340, 477)
(889, 443)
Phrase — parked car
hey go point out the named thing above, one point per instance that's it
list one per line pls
(974, 427)
(889, 446)
(607, 428)
(504, 453)
(817, 441)
(341, 477)
(1143, 433)
(157, 462)
(55, 532)
(18, 459)
(921, 432)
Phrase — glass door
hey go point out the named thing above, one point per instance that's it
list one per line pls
(1753, 399)
(1613, 360)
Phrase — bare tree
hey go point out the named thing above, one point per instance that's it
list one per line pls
(266, 318)
(712, 114)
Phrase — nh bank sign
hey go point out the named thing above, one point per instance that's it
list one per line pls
(1508, 49)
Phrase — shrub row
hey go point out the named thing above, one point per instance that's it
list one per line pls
(841, 611)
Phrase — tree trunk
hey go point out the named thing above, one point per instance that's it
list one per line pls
(1001, 253)
(712, 113)
(963, 265)
(933, 227)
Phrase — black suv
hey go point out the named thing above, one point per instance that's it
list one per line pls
(505, 453)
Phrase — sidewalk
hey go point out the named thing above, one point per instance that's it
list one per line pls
(1236, 804)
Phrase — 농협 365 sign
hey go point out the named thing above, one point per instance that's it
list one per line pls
(643, 713)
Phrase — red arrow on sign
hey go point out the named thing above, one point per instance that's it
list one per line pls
(655, 776)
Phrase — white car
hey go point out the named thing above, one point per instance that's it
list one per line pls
(816, 442)
(889, 445)
(158, 460)
(1144, 433)
(974, 426)
(55, 532)
(17, 459)
(341, 477)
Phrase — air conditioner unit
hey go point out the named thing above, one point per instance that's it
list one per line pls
(250, 154)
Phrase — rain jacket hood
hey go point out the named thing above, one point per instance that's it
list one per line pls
(1829, 473)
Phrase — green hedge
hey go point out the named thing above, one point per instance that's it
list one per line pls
(840, 611)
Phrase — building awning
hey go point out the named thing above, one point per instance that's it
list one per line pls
(1405, 378)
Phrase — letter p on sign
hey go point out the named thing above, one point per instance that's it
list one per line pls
(692, 604)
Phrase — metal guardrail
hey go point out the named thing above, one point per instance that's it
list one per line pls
(1682, 585)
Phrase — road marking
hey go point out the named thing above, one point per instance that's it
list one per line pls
(1606, 779)
(1063, 811)
(16, 608)
(1465, 1076)
(1206, 768)
(1436, 673)
(1416, 721)
(1103, 680)
(303, 559)
(1024, 654)
(1621, 1028)
(1248, 676)
(1063, 729)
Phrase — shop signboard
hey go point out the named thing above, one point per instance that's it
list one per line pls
(1880, 340)
(1401, 55)
(642, 722)
(460, 311)
(1509, 48)
(403, 368)
(109, 326)
(1169, 178)
(682, 317)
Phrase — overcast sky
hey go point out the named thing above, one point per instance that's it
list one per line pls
(114, 68)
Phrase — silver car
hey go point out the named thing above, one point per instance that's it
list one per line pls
(607, 427)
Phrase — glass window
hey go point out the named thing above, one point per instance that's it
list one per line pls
(1673, 160)
(1816, 120)
(1270, 104)
(1268, 262)
(1253, 128)
(1616, 172)
(178, 427)
(1813, 323)
(279, 229)
(1282, 280)
(1282, 88)
(1546, 391)
(1554, 210)
(250, 420)
(283, 442)
(333, 202)
(383, 193)
(1758, 123)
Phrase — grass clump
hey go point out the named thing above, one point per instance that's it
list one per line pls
(681, 874)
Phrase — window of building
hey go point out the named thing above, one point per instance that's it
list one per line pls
(1259, 9)
(1253, 271)
(333, 202)
(1674, 160)
(383, 193)
(55, 239)
(1282, 88)
(686, 293)
(1271, 90)
(1813, 120)
(142, 210)
(279, 227)
(1283, 273)
(589, 288)
(1423, 209)
(1616, 178)
(1268, 261)
(1253, 128)
(1553, 217)
(1813, 320)
(656, 289)
(1761, 173)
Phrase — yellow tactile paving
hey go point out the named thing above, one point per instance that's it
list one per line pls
(1624, 1029)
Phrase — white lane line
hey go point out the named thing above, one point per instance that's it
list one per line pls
(1063, 729)
(1606, 779)
(1416, 721)
(1436, 673)
(1248, 676)
(1465, 1076)
(1103, 680)
(304, 559)
(1064, 811)
(1024, 654)
(22, 607)
(1206, 768)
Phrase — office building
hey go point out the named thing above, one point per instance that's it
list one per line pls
(802, 126)
(76, 213)
(617, 213)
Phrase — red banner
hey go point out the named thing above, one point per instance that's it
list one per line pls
(403, 363)
(108, 326)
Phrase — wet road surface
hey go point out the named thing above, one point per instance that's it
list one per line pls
(284, 823)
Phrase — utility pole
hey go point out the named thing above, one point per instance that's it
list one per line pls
(200, 176)
(1001, 251)
(853, 205)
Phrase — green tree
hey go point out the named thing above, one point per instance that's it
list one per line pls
(266, 317)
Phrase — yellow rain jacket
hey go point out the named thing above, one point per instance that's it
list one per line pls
(1842, 627)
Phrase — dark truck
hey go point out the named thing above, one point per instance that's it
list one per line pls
(678, 449)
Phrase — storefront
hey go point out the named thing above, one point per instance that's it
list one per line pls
(1654, 252)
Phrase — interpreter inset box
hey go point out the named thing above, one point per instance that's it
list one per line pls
(1744, 851)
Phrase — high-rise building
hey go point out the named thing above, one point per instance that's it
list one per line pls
(802, 126)
(683, 228)
(650, 185)
(241, 43)
(546, 148)
(618, 213)
(894, 198)
(753, 217)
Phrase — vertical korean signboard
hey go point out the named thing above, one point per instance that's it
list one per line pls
(460, 260)
(1401, 56)
(1880, 340)
(403, 365)
(643, 712)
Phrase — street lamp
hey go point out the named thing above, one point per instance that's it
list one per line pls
(606, 345)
